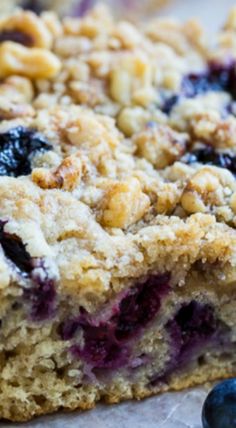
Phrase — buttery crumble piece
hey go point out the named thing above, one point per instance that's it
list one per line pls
(117, 209)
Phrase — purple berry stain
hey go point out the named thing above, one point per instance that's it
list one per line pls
(108, 343)
(193, 326)
(17, 148)
(41, 295)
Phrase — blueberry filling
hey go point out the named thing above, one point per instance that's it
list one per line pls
(207, 155)
(139, 307)
(41, 296)
(107, 343)
(102, 349)
(17, 148)
(217, 77)
(193, 326)
(17, 37)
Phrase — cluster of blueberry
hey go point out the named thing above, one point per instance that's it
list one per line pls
(18, 146)
(107, 343)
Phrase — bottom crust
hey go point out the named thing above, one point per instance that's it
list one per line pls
(199, 376)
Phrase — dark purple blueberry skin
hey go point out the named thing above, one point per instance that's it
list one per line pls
(17, 37)
(41, 296)
(17, 147)
(219, 409)
(107, 343)
(208, 155)
(217, 77)
(15, 250)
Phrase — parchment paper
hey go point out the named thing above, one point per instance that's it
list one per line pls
(171, 410)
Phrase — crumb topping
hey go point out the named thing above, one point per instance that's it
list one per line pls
(139, 171)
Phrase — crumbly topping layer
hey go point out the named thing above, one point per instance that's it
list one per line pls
(139, 171)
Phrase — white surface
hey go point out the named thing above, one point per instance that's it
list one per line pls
(211, 13)
(172, 410)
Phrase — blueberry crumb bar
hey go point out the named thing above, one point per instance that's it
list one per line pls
(117, 209)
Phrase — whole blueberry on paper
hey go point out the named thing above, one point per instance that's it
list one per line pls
(219, 410)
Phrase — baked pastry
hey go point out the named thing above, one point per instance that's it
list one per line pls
(117, 210)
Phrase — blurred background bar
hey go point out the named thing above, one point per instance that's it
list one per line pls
(128, 8)
(211, 13)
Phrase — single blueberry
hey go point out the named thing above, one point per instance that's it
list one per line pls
(15, 250)
(208, 155)
(217, 77)
(17, 148)
(219, 409)
(169, 103)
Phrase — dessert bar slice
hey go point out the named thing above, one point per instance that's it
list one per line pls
(117, 210)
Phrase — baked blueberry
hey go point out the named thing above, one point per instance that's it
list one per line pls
(17, 148)
(209, 156)
(218, 77)
(15, 250)
(106, 342)
(219, 410)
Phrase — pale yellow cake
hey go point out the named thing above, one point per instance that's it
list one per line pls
(117, 209)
